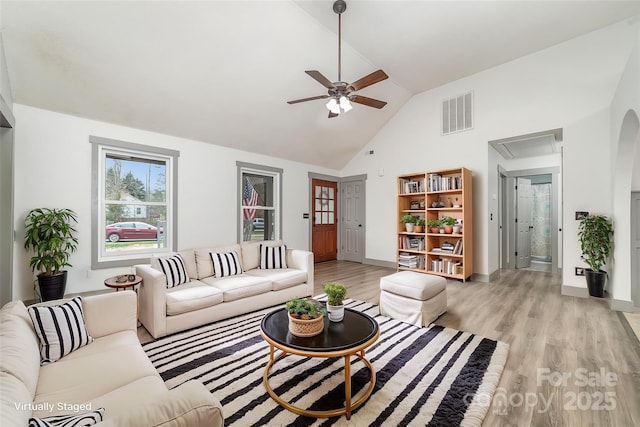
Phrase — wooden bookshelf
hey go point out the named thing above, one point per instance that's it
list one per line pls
(442, 254)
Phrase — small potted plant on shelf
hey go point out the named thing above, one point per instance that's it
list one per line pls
(336, 293)
(434, 225)
(50, 234)
(409, 221)
(448, 223)
(419, 226)
(595, 233)
(306, 318)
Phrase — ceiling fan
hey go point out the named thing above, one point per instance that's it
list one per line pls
(341, 93)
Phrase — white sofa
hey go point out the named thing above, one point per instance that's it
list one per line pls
(206, 298)
(112, 372)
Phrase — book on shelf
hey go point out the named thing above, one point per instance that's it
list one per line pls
(436, 182)
(410, 186)
(414, 243)
(445, 265)
(445, 248)
(408, 260)
(457, 250)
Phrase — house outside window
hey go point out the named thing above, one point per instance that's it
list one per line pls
(134, 216)
(260, 202)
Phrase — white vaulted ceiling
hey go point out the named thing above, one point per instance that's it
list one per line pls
(222, 71)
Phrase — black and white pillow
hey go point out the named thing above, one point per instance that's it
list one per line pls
(273, 257)
(226, 264)
(76, 420)
(60, 328)
(173, 267)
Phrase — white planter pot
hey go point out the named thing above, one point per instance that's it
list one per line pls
(409, 227)
(335, 313)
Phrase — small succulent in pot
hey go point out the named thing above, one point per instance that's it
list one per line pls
(304, 309)
(336, 293)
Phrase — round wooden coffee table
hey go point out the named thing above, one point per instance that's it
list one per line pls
(350, 337)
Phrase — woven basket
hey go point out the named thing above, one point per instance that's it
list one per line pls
(306, 328)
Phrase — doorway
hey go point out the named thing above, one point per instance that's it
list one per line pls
(351, 226)
(530, 219)
(324, 220)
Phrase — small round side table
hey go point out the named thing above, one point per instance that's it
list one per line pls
(112, 282)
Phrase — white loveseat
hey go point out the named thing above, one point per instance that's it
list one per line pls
(112, 372)
(207, 298)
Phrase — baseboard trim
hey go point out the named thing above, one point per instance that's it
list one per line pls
(380, 263)
(482, 278)
(575, 291)
(621, 305)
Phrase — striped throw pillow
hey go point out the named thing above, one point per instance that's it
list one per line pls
(226, 264)
(173, 267)
(273, 256)
(60, 328)
(76, 420)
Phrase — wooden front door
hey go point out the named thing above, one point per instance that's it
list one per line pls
(324, 235)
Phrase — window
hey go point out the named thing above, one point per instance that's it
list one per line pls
(135, 210)
(260, 202)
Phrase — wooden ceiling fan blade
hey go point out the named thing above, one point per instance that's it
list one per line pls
(317, 76)
(369, 102)
(332, 115)
(373, 78)
(307, 99)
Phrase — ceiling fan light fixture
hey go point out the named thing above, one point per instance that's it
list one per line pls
(332, 105)
(345, 104)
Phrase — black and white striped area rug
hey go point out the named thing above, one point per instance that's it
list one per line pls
(424, 376)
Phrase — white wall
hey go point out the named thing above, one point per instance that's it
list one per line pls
(625, 152)
(567, 86)
(53, 169)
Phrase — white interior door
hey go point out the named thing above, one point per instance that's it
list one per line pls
(524, 206)
(352, 226)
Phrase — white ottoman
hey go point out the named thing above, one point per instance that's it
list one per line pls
(411, 297)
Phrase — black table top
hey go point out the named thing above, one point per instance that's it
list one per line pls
(355, 329)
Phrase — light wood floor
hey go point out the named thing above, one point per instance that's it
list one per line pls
(550, 337)
(569, 336)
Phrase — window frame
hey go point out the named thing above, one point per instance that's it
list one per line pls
(101, 147)
(267, 171)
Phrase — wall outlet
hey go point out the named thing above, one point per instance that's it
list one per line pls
(579, 271)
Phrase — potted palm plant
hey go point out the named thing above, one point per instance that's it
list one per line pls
(336, 293)
(50, 234)
(595, 233)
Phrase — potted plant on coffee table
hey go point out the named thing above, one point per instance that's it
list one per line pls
(336, 293)
(408, 220)
(595, 233)
(306, 319)
(50, 234)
